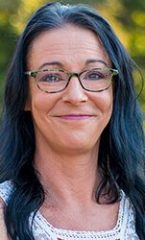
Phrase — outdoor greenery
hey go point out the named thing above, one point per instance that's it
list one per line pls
(126, 16)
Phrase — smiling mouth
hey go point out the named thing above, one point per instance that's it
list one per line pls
(75, 116)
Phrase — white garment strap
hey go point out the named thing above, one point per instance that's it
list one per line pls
(5, 190)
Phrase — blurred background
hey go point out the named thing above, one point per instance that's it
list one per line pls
(126, 16)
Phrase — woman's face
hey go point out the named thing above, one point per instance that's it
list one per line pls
(71, 120)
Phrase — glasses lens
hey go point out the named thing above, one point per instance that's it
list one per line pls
(52, 80)
(96, 79)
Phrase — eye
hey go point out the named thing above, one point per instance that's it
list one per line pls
(50, 77)
(95, 75)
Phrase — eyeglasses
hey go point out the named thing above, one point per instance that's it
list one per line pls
(56, 80)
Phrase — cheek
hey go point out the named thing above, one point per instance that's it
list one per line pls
(104, 102)
(41, 105)
(38, 101)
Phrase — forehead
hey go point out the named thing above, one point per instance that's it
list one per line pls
(70, 45)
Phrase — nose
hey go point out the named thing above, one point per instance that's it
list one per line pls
(74, 93)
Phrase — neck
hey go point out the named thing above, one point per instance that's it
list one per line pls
(66, 177)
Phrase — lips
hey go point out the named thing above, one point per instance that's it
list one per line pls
(75, 116)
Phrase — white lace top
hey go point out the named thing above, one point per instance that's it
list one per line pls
(43, 230)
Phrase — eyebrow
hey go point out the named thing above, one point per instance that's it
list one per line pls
(55, 63)
(95, 61)
(59, 64)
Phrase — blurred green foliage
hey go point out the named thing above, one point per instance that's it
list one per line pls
(126, 16)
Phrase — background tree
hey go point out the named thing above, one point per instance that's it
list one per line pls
(126, 16)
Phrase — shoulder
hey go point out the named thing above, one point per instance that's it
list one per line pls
(128, 229)
(3, 230)
(6, 189)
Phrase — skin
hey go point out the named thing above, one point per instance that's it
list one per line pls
(67, 148)
(3, 231)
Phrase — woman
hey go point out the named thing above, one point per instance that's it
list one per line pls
(72, 141)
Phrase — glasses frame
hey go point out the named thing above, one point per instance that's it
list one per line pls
(33, 74)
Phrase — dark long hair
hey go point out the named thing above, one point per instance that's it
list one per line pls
(122, 147)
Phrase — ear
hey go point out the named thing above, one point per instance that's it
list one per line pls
(27, 104)
(27, 107)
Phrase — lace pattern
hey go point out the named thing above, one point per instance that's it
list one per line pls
(43, 230)
(5, 190)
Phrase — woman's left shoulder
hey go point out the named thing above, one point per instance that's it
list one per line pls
(128, 219)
